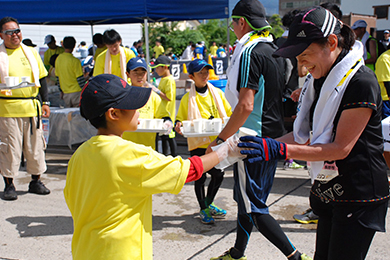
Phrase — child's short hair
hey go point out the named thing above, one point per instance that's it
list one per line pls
(107, 91)
(197, 65)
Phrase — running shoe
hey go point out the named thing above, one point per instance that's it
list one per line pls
(227, 256)
(307, 217)
(295, 165)
(306, 257)
(216, 211)
(205, 216)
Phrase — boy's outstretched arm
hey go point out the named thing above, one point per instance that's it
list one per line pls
(204, 163)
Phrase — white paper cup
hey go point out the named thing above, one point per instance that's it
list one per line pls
(217, 122)
(149, 123)
(141, 124)
(25, 79)
(198, 125)
(159, 123)
(187, 126)
(208, 125)
(11, 81)
(243, 131)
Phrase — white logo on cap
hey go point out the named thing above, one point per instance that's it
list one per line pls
(301, 34)
(139, 61)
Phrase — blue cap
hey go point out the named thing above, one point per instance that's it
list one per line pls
(105, 91)
(135, 63)
(197, 65)
(359, 24)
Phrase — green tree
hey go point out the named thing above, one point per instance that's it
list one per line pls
(276, 22)
(175, 40)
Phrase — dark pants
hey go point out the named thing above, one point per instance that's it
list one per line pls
(215, 183)
(165, 142)
(345, 231)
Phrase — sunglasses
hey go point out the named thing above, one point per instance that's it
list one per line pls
(11, 32)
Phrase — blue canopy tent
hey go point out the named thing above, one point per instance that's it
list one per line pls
(75, 12)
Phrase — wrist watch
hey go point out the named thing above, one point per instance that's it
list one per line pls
(219, 140)
(46, 103)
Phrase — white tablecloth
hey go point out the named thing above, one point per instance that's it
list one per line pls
(68, 127)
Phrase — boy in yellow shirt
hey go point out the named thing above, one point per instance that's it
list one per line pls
(110, 181)
(204, 101)
(137, 73)
(168, 87)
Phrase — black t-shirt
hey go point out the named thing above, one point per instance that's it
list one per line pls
(362, 174)
(265, 74)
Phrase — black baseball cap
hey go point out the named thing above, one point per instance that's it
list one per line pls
(254, 12)
(162, 60)
(109, 91)
(306, 28)
(28, 42)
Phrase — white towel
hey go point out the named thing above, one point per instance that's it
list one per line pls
(4, 63)
(246, 41)
(122, 59)
(194, 113)
(328, 103)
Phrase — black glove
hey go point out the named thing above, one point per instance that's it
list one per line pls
(262, 149)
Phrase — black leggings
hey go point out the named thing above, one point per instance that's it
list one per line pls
(267, 226)
(215, 183)
(165, 141)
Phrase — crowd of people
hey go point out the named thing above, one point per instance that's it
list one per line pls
(336, 129)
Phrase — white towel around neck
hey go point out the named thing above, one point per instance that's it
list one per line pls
(4, 63)
(328, 103)
(122, 62)
(246, 41)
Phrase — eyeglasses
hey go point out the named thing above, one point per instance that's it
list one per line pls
(11, 32)
(231, 26)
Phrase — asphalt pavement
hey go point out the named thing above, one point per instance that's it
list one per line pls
(38, 227)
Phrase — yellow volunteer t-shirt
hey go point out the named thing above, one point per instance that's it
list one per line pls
(382, 72)
(168, 86)
(68, 69)
(151, 110)
(115, 62)
(213, 50)
(98, 51)
(207, 108)
(49, 53)
(159, 50)
(109, 187)
(19, 66)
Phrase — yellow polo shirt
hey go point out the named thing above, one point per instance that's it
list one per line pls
(19, 66)
(68, 69)
(109, 187)
(168, 86)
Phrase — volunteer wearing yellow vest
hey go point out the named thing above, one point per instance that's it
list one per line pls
(114, 59)
(70, 73)
(21, 111)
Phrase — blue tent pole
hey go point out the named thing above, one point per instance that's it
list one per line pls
(147, 44)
